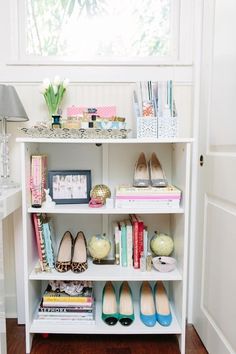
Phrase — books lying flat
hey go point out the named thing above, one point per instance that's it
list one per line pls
(165, 197)
(67, 321)
(65, 309)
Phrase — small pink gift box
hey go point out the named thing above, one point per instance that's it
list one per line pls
(104, 111)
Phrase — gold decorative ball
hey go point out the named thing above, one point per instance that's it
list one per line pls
(100, 191)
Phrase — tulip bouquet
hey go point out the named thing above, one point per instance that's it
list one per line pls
(53, 93)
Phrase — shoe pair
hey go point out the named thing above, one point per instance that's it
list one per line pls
(154, 307)
(111, 312)
(149, 174)
(72, 253)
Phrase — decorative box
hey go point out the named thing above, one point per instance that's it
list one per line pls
(147, 127)
(167, 127)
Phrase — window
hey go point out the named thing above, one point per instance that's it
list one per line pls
(88, 30)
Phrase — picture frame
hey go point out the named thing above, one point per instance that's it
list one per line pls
(69, 186)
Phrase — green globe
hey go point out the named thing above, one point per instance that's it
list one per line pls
(162, 244)
(99, 246)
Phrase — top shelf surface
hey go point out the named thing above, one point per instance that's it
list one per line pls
(104, 141)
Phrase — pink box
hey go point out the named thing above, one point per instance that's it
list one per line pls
(104, 111)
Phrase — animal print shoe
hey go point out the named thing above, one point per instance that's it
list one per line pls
(79, 261)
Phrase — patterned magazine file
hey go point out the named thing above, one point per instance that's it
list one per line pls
(147, 127)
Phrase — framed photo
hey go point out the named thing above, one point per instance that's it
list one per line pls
(69, 186)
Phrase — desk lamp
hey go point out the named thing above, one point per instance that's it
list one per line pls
(11, 110)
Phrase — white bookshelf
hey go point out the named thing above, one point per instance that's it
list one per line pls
(112, 163)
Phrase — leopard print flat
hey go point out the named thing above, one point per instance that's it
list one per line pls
(79, 261)
(63, 263)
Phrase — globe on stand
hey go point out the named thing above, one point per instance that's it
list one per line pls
(99, 246)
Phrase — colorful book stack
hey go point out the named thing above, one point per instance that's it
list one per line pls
(130, 241)
(150, 197)
(60, 305)
(38, 179)
(43, 234)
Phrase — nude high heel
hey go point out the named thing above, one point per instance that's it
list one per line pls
(157, 175)
(141, 175)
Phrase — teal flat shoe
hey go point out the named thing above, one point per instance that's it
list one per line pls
(163, 313)
(147, 306)
(109, 305)
(126, 307)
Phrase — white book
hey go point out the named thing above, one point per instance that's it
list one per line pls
(129, 239)
(116, 233)
(127, 203)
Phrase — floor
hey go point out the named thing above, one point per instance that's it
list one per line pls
(102, 344)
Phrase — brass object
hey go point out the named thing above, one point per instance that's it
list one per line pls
(100, 191)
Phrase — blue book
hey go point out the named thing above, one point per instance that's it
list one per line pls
(124, 261)
(48, 244)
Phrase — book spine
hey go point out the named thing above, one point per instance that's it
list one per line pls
(66, 309)
(48, 245)
(117, 242)
(140, 236)
(38, 242)
(68, 299)
(64, 303)
(123, 245)
(147, 203)
(134, 222)
(38, 179)
(129, 237)
(42, 246)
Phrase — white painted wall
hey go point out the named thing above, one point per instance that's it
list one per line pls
(90, 85)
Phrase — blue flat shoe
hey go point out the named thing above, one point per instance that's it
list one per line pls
(163, 313)
(147, 306)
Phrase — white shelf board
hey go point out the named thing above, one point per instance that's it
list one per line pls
(137, 327)
(85, 209)
(104, 141)
(108, 272)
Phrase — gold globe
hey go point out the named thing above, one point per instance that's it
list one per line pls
(100, 191)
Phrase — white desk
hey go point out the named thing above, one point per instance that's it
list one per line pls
(10, 202)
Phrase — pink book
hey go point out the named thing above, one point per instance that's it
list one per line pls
(38, 179)
(37, 236)
(140, 235)
(136, 259)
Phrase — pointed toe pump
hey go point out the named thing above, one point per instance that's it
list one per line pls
(147, 306)
(126, 308)
(79, 261)
(157, 175)
(141, 175)
(163, 314)
(63, 262)
(109, 305)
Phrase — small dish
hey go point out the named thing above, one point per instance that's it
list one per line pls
(164, 264)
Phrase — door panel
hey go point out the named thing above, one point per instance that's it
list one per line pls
(215, 245)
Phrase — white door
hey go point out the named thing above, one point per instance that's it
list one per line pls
(215, 245)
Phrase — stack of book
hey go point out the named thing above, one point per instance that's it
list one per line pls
(43, 234)
(128, 196)
(60, 306)
(131, 240)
